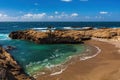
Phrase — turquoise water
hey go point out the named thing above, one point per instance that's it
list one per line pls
(35, 57)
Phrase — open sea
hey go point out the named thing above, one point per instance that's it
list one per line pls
(35, 57)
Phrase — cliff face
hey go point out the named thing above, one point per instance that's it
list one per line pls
(9, 69)
(48, 37)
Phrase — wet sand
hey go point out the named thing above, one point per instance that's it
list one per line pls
(104, 66)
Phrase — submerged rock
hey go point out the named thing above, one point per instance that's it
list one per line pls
(8, 48)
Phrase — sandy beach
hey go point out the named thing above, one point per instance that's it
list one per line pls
(104, 66)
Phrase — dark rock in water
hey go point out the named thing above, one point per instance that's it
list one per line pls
(10, 69)
(8, 48)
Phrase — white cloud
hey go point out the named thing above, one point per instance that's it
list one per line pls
(83, 0)
(51, 17)
(39, 17)
(34, 16)
(66, 0)
(3, 15)
(74, 14)
(56, 12)
(103, 12)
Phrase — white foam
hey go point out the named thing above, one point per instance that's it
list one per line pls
(88, 57)
(39, 28)
(42, 28)
(40, 73)
(59, 72)
(67, 27)
(4, 37)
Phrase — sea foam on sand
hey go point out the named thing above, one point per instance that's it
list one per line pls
(88, 57)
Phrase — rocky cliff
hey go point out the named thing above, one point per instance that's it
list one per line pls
(10, 69)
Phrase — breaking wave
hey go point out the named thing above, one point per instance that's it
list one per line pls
(4, 37)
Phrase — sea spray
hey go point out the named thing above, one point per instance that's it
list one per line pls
(4, 37)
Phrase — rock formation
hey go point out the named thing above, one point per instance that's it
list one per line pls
(10, 69)
(69, 36)
(104, 33)
(48, 37)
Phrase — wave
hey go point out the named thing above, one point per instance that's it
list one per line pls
(39, 28)
(42, 28)
(88, 57)
(67, 28)
(72, 28)
(4, 37)
(59, 72)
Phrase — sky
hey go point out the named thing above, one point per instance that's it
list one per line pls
(59, 10)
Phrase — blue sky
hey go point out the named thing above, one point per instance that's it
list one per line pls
(59, 10)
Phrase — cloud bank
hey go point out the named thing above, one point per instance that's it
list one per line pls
(103, 12)
(39, 16)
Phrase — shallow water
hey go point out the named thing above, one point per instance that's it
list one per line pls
(33, 57)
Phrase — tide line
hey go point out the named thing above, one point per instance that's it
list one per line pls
(88, 57)
(59, 72)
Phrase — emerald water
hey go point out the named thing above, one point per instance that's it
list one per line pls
(35, 57)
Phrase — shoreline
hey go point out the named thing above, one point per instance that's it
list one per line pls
(81, 58)
(103, 64)
(90, 51)
(106, 48)
(88, 57)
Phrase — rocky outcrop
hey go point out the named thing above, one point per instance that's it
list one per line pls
(48, 37)
(104, 33)
(69, 36)
(10, 69)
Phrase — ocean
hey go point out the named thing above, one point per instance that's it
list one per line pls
(36, 57)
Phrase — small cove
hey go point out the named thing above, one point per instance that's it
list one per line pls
(36, 57)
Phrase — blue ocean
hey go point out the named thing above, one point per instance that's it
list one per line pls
(36, 57)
